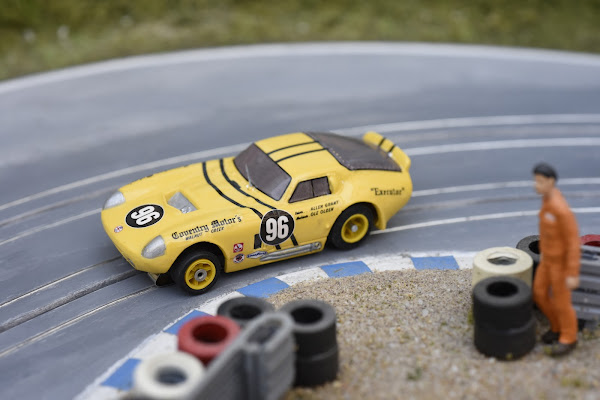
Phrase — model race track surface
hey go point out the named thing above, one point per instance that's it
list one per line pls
(473, 119)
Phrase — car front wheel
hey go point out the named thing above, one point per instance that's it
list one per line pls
(351, 227)
(196, 272)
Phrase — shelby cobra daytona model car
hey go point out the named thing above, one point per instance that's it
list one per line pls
(280, 198)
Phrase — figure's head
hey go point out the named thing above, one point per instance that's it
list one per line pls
(545, 178)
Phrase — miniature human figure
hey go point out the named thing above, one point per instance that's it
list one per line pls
(558, 271)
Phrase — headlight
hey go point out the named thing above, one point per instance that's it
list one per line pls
(114, 200)
(155, 248)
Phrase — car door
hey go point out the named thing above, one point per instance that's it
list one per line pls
(314, 206)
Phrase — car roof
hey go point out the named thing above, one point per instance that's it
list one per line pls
(298, 154)
(302, 153)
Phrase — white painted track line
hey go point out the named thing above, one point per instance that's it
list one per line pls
(485, 217)
(414, 125)
(323, 49)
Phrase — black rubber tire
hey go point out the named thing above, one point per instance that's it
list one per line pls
(503, 302)
(531, 246)
(335, 235)
(509, 344)
(318, 369)
(242, 310)
(179, 268)
(314, 326)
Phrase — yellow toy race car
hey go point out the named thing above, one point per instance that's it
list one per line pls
(280, 198)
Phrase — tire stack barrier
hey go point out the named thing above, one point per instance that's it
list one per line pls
(590, 240)
(207, 337)
(167, 377)
(502, 261)
(258, 365)
(314, 328)
(244, 309)
(586, 298)
(503, 316)
(531, 246)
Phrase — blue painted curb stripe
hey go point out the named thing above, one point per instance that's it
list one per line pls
(264, 288)
(422, 263)
(174, 329)
(346, 269)
(122, 378)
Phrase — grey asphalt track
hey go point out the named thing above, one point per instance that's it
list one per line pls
(70, 306)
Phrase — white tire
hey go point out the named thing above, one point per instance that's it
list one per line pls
(502, 261)
(167, 376)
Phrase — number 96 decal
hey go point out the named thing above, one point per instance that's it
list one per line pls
(276, 227)
(143, 216)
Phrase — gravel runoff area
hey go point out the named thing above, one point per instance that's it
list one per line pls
(409, 335)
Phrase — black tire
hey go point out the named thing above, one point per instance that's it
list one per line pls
(244, 309)
(509, 344)
(314, 326)
(341, 240)
(181, 269)
(531, 246)
(503, 302)
(318, 369)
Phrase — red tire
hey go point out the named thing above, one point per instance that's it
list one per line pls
(206, 337)
(590, 240)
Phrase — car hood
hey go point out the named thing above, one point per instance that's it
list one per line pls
(169, 201)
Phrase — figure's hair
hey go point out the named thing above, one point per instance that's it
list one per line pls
(545, 170)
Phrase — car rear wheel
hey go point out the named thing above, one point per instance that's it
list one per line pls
(351, 227)
(196, 272)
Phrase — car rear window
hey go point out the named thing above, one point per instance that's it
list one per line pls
(355, 154)
(262, 172)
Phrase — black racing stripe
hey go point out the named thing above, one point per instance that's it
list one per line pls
(381, 142)
(237, 187)
(223, 195)
(290, 146)
(299, 154)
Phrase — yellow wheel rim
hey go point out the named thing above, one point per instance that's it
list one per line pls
(200, 274)
(355, 228)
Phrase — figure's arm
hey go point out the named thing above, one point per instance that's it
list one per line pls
(570, 236)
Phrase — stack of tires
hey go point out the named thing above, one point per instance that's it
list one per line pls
(502, 261)
(503, 317)
(316, 343)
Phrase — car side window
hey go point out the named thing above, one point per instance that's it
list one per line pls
(321, 186)
(309, 189)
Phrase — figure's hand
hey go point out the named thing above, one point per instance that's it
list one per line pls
(572, 282)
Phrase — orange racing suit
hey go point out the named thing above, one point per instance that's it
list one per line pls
(560, 258)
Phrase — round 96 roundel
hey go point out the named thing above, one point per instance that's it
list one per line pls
(276, 227)
(144, 215)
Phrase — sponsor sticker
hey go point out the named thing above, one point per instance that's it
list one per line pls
(238, 247)
(238, 259)
(257, 254)
(276, 227)
(387, 192)
(144, 215)
(118, 229)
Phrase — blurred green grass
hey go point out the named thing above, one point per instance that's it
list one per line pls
(37, 35)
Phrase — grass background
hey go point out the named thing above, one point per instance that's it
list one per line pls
(37, 35)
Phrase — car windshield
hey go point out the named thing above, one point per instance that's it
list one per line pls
(262, 172)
